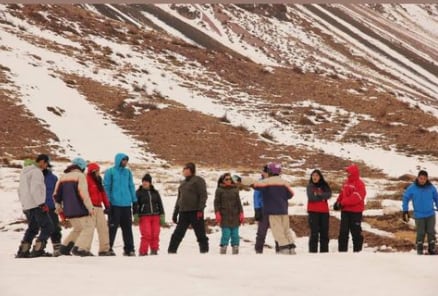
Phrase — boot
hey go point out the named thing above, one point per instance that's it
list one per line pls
(81, 252)
(223, 250)
(235, 250)
(420, 248)
(107, 253)
(38, 249)
(431, 249)
(154, 252)
(65, 250)
(23, 250)
(56, 249)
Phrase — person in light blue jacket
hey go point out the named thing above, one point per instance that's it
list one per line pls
(120, 188)
(423, 196)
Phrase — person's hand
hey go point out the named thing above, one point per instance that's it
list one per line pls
(175, 217)
(162, 220)
(258, 214)
(44, 208)
(136, 219)
(405, 216)
(199, 215)
(337, 206)
(218, 218)
(241, 218)
(107, 211)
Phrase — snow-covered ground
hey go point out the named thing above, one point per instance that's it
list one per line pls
(191, 273)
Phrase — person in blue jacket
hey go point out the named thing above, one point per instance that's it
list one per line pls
(423, 196)
(50, 180)
(120, 188)
(260, 217)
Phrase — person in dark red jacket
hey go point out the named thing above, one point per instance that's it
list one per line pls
(351, 202)
(99, 197)
(318, 192)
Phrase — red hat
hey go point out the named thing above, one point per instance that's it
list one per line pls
(93, 167)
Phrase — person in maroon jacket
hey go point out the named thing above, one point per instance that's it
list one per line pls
(99, 197)
(318, 192)
(351, 202)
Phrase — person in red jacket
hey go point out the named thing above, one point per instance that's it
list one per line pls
(351, 202)
(318, 192)
(99, 197)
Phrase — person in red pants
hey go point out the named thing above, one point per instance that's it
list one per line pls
(150, 212)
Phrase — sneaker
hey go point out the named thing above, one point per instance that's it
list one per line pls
(129, 254)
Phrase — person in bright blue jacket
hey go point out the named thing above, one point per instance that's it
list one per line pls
(423, 196)
(120, 188)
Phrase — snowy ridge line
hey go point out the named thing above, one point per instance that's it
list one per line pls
(427, 86)
(379, 63)
(365, 16)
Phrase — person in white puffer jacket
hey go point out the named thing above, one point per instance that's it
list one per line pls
(32, 195)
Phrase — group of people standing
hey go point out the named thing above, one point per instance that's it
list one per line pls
(81, 199)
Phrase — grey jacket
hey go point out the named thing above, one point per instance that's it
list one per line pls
(32, 189)
(192, 195)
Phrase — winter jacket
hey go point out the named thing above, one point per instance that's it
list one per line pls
(276, 192)
(119, 184)
(149, 202)
(423, 198)
(317, 195)
(353, 192)
(31, 190)
(97, 196)
(227, 203)
(192, 195)
(50, 180)
(71, 194)
(258, 199)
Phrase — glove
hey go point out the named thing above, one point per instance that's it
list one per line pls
(162, 220)
(107, 211)
(241, 218)
(218, 218)
(136, 219)
(199, 215)
(44, 208)
(175, 217)
(135, 208)
(258, 214)
(406, 216)
(63, 221)
(337, 206)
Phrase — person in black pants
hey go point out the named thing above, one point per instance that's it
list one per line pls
(189, 210)
(318, 192)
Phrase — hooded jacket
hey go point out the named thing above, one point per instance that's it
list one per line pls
(71, 194)
(119, 184)
(97, 196)
(227, 203)
(353, 192)
(275, 192)
(31, 189)
(423, 198)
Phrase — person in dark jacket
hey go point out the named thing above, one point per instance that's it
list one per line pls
(276, 192)
(318, 192)
(423, 196)
(50, 180)
(73, 200)
(149, 208)
(351, 202)
(189, 209)
(229, 212)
